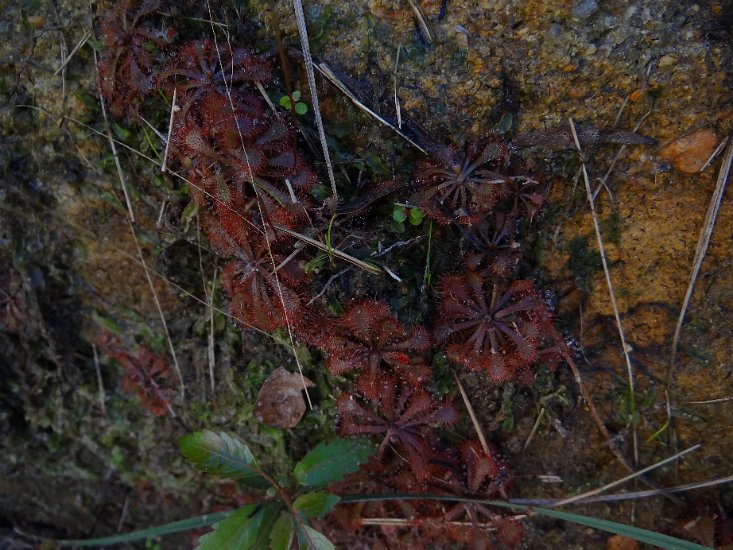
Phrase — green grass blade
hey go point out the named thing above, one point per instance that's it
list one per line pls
(637, 533)
(167, 529)
(642, 535)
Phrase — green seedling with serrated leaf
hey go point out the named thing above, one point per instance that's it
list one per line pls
(285, 512)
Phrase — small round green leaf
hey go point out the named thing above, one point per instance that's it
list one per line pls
(416, 216)
(399, 214)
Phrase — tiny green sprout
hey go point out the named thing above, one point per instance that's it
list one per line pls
(402, 213)
(320, 192)
(124, 134)
(287, 101)
(416, 216)
(505, 124)
(316, 264)
(399, 213)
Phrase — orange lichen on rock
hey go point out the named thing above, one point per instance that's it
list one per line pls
(689, 153)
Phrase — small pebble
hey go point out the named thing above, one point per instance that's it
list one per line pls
(667, 60)
(36, 21)
(637, 95)
(617, 542)
(555, 30)
(689, 153)
(584, 9)
(462, 39)
(576, 93)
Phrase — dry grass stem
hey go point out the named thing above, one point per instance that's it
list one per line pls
(399, 522)
(421, 21)
(123, 514)
(474, 419)
(398, 244)
(175, 174)
(634, 475)
(714, 154)
(100, 383)
(397, 108)
(159, 222)
(330, 281)
(308, 60)
(616, 497)
(75, 49)
(158, 306)
(209, 299)
(112, 144)
(227, 86)
(534, 429)
(264, 95)
(391, 273)
(209, 21)
(603, 184)
(326, 71)
(624, 346)
(63, 51)
(376, 270)
(211, 352)
(174, 108)
(613, 447)
(161, 136)
(130, 222)
(621, 110)
(292, 255)
(700, 250)
(712, 401)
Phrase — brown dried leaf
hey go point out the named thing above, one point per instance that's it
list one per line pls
(280, 403)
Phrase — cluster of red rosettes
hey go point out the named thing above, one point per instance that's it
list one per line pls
(251, 185)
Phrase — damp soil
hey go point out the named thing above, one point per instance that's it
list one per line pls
(80, 458)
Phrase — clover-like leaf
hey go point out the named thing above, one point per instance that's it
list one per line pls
(416, 216)
(399, 214)
(329, 462)
(223, 455)
(315, 504)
